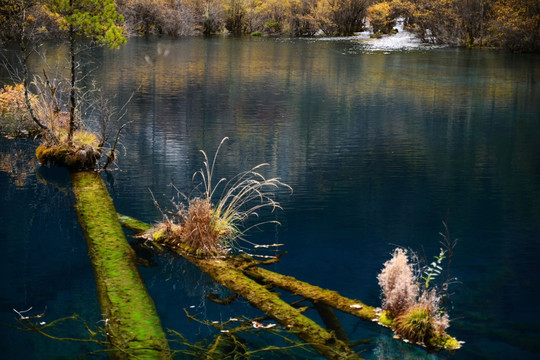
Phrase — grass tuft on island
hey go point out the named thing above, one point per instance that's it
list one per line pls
(206, 226)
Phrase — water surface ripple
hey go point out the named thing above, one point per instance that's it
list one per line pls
(379, 146)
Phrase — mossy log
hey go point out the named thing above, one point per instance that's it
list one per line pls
(331, 321)
(313, 293)
(131, 321)
(324, 342)
(226, 273)
(330, 298)
(334, 300)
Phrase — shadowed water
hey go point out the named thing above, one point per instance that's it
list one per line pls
(380, 144)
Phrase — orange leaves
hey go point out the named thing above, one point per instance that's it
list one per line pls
(11, 98)
(18, 165)
(14, 115)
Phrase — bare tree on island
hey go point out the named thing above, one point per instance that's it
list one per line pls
(57, 104)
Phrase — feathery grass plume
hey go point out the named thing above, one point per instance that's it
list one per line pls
(398, 283)
(211, 224)
(414, 312)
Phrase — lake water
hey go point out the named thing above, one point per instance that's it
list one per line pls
(381, 144)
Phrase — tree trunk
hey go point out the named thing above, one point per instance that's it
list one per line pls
(72, 96)
(25, 54)
(227, 272)
(324, 342)
(331, 321)
(313, 293)
(233, 272)
(131, 321)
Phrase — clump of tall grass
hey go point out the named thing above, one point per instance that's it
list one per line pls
(212, 223)
(416, 324)
(412, 309)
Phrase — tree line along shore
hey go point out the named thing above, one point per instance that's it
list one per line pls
(509, 24)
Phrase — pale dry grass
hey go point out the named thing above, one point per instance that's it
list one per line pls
(398, 283)
(213, 223)
(416, 310)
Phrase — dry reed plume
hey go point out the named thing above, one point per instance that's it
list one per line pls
(208, 225)
(415, 314)
(398, 283)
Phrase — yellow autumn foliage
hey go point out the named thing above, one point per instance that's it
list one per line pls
(516, 24)
(15, 118)
(380, 17)
(513, 24)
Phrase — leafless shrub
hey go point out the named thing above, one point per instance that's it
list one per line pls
(157, 17)
(347, 15)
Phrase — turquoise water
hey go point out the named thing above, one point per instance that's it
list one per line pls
(380, 145)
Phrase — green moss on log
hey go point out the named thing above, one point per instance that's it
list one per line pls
(227, 273)
(130, 316)
(314, 293)
(387, 320)
(132, 224)
(324, 342)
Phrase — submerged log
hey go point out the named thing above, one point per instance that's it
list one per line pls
(331, 321)
(233, 272)
(314, 293)
(131, 322)
(334, 300)
(324, 342)
(226, 273)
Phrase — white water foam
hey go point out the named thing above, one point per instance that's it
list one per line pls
(402, 41)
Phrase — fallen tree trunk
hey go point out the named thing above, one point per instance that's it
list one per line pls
(313, 293)
(334, 300)
(227, 274)
(131, 322)
(331, 321)
(324, 342)
(235, 267)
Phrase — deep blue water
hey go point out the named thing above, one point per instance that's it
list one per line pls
(380, 147)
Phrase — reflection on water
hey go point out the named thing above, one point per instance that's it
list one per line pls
(19, 164)
(379, 148)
